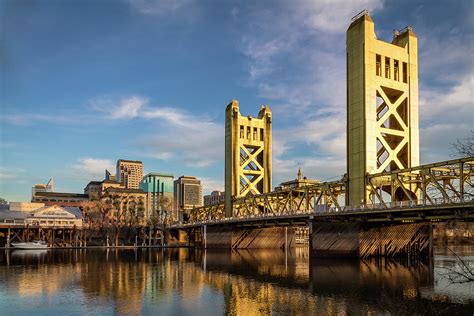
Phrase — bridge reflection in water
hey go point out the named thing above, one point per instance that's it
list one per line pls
(187, 281)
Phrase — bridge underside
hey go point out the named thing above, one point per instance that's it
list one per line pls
(364, 240)
(326, 239)
(248, 237)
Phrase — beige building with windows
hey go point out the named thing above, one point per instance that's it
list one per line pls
(25, 206)
(129, 173)
(187, 194)
(215, 197)
(300, 182)
(41, 187)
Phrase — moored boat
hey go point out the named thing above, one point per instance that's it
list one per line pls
(37, 244)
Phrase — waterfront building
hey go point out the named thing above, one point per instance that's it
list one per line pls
(187, 194)
(129, 173)
(299, 182)
(159, 189)
(45, 217)
(60, 198)
(44, 193)
(215, 197)
(25, 206)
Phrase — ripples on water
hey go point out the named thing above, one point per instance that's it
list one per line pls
(254, 282)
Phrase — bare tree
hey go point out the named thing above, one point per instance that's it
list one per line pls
(461, 272)
(161, 213)
(464, 146)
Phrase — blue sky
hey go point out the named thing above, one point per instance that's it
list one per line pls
(84, 83)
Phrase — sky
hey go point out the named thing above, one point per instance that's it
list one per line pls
(84, 83)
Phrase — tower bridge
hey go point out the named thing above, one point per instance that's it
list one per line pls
(386, 203)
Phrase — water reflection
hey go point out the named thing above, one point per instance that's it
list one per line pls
(187, 281)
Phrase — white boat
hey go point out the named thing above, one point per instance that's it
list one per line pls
(37, 244)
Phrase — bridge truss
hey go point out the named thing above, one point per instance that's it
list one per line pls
(443, 183)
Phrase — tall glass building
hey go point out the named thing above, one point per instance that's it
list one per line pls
(160, 194)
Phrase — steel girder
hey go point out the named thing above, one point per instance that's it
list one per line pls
(444, 183)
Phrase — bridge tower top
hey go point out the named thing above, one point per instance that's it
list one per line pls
(248, 153)
(382, 104)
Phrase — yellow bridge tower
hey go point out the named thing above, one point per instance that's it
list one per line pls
(248, 153)
(382, 104)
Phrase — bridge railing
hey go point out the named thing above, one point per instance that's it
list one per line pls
(424, 185)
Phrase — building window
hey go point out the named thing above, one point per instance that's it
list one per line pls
(396, 70)
(241, 131)
(248, 132)
(378, 65)
(254, 133)
(387, 67)
(405, 72)
(261, 134)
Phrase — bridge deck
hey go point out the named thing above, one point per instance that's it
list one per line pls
(409, 213)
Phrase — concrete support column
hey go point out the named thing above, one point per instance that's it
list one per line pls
(8, 238)
(204, 236)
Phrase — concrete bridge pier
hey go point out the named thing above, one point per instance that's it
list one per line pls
(365, 240)
(247, 237)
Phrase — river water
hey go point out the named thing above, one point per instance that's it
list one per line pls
(257, 282)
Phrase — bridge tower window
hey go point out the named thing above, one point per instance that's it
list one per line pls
(405, 73)
(378, 65)
(396, 70)
(387, 67)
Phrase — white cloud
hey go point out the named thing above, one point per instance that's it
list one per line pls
(457, 101)
(25, 119)
(308, 38)
(6, 174)
(209, 185)
(324, 15)
(189, 140)
(442, 136)
(92, 168)
(124, 108)
(160, 7)
(194, 140)
(17, 175)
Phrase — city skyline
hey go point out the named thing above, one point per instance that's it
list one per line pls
(150, 82)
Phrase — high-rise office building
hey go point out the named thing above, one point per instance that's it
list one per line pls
(159, 188)
(129, 173)
(187, 194)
